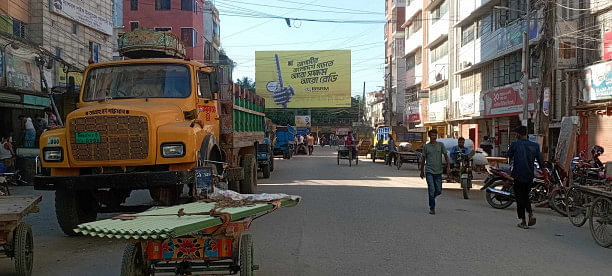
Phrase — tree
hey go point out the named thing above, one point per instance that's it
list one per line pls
(246, 83)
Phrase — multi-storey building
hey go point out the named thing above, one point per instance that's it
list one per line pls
(594, 95)
(374, 109)
(117, 27)
(395, 64)
(212, 32)
(184, 18)
(67, 34)
(415, 97)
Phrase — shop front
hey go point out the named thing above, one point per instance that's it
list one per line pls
(500, 109)
(436, 119)
(596, 117)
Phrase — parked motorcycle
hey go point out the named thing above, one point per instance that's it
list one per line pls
(462, 172)
(500, 192)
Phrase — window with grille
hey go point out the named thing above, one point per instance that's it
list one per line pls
(187, 5)
(439, 12)
(134, 5)
(19, 28)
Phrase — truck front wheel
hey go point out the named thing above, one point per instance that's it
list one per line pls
(73, 208)
(249, 184)
(266, 170)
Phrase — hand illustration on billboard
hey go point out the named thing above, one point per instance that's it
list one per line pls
(282, 95)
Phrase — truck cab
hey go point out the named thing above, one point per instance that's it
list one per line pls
(146, 123)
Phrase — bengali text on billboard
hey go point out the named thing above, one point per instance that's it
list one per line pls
(304, 79)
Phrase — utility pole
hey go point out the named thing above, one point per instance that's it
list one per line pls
(362, 105)
(525, 90)
(390, 94)
(547, 46)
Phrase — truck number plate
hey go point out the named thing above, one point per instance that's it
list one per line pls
(88, 137)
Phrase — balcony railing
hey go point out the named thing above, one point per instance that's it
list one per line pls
(414, 42)
(439, 28)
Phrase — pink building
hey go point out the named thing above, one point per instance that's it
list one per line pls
(183, 18)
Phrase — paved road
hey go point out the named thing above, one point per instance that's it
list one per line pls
(368, 219)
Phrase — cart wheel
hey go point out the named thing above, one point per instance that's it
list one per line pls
(23, 247)
(399, 164)
(246, 255)
(575, 203)
(133, 262)
(601, 221)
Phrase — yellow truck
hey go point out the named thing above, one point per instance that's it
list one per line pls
(146, 123)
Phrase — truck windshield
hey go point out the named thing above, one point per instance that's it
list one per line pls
(137, 81)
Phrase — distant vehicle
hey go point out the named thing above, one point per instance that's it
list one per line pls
(265, 155)
(285, 141)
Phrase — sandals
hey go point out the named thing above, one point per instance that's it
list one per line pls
(521, 225)
(532, 221)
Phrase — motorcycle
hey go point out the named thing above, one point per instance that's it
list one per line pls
(462, 172)
(499, 187)
(547, 186)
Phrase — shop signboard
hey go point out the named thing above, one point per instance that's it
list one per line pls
(304, 79)
(90, 18)
(467, 104)
(598, 81)
(302, 121)
(437, 111)
(505, 101)
(21, 72)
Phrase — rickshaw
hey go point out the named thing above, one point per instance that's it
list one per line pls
(401, 135)
(349, 153)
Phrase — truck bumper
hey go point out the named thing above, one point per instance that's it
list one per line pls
(133, 181)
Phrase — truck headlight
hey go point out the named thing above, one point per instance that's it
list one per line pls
(173, 150)
(53, 154)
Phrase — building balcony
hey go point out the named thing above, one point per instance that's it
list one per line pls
(471, 10)
(398, 3)
(414, 75)
(416, 6)
(438, 31)
(414, 42)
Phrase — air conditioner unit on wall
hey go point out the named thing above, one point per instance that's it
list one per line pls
(465, 64)
(438, 77)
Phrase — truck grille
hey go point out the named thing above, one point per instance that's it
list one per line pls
(120, 138)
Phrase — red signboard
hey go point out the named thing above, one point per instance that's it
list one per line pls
(607, 45)
(506, 101)
(414, 118)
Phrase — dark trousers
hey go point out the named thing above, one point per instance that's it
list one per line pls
(521, 191)
(391, 158)
(310, 149)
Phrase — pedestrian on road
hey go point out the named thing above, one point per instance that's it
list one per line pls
(432, 169)
(391, 159)
(523, 153)
(310, 141)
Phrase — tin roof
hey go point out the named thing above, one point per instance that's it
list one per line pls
(162, 227)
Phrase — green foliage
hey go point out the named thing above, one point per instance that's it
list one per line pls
(246, 83)
(320, 116)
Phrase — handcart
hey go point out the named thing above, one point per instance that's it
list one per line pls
(205, 236)
(15, 235)
(346, 152)
(406, 157)
(593, 204)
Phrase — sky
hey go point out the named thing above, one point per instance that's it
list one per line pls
(242, 35)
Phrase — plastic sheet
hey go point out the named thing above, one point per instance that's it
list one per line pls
(220, 194)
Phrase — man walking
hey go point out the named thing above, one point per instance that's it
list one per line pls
(310, 141)
(523, 153)
(432, 169)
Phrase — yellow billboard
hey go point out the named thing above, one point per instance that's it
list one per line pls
(304, 79)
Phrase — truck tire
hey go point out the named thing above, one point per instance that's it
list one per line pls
(249, 184)
(73, 208)
(266, 170)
